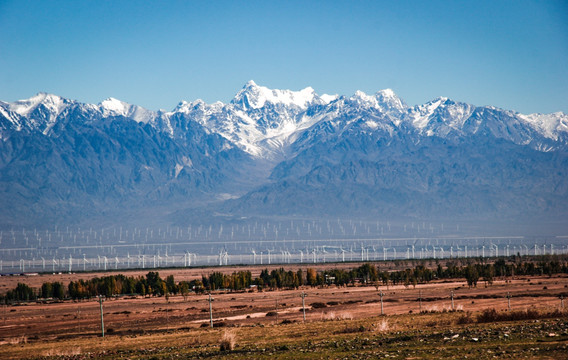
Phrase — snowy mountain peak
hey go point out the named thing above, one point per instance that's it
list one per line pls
(550, 125)
(255, 96)
(388, 98)
(387, 93)
(442, 111)
(326, 98)
(112, 106)
(53, 103)
(433, 105)
(362, 97)
(186, 107)
(250, 83)
(383, 100)
(115, 107)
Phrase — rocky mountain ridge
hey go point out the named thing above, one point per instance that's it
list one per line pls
(279, 152)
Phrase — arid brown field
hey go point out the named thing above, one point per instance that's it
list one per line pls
(341, 322)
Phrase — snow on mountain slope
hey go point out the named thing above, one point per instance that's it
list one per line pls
(551, 126)
(53, 103)
(440, 117)
(40, 112)
(267, 122)
(259, 120)
(254, 96)
(114, 107)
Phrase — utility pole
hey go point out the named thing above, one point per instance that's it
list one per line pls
(210, 310)
(167, 303)
(277, 310)
(102, 318)
(381, 295)
(303, 296)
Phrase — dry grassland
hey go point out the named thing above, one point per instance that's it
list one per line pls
(342, 322)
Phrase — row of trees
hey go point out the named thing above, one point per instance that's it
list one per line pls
(153, 285)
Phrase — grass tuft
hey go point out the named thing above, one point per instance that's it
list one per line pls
(227, 342)
(383, 326)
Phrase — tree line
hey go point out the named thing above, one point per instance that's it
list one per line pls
(153, 285)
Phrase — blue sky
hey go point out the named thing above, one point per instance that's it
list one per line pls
(510, 54)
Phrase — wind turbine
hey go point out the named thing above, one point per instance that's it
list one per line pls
(458, 249)
(496, 249)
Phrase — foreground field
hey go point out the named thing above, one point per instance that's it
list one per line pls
(398, 337)
(341, 322)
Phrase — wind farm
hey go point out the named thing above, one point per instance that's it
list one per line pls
(256, 242)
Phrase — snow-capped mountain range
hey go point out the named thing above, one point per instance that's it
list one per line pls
(263, 122)
(266, 144)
